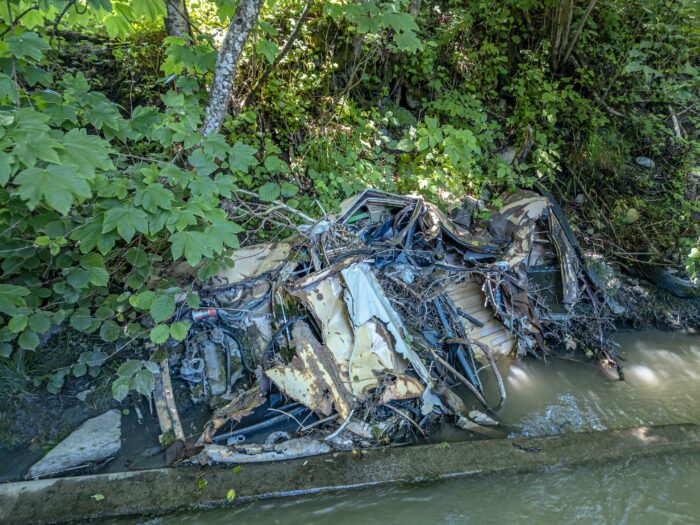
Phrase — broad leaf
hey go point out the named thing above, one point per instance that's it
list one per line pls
(57, 186)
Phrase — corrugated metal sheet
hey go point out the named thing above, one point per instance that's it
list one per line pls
(468, 297)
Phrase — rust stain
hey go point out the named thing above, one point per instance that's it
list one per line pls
(312, 377)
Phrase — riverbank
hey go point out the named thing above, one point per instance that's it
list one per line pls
(159, 491)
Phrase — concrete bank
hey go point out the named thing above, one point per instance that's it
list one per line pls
(160, 491)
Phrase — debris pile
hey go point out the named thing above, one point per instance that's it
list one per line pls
(377, 325)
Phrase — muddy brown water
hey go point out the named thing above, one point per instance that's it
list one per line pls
(662, 387)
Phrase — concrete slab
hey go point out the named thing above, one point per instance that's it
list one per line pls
(159, 491)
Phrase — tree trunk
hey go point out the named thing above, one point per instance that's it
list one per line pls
(177, 23)
(231, 49)
(282, 53)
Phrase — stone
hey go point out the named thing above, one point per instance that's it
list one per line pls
(645, 162)
(95, 441)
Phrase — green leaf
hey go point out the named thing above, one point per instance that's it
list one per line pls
(137, 257)
(117, 26)
(12, 298)
(78, 278)
(40, 322)
(179, 330)
(120, 388)
(288, 189)
(98, 276)
(405, 144)
(129, 368)
(268, 49)
(126, 220)
(109, 331)
(104, 313)
(230, 495)
(269, 192)
(159, 334)
(18, 323)
(203, 163)
(81, 319)
(28, 340)
(79, 369)
(162, 308)
(5, 168)
(149, 9)
(193, 300)
(242, 157)
(92, 259)
(268, 28)
(274, 164)
(87, 152)
(154, 196)
(27, 45)
(57, 186)
(143, 382)
(194, 245)
(142, 301)
(223, 233)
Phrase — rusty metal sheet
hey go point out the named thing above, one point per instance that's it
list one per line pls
(312, 377)
(322, 294)
(237, 409)
(401, 386)
(372, 354)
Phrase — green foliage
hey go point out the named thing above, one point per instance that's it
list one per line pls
(693, 263)
(106, 181)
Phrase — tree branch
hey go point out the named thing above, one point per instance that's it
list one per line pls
(280, 56)
(579, 30)
(19, 17)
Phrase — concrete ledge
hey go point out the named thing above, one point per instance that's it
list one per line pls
(164, 490)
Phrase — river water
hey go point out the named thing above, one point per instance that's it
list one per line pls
(662, 386)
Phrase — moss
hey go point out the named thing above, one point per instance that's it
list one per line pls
(167, 439)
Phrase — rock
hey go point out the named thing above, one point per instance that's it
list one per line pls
(482, 419)
(94, 441)
(507, 155)
(645, 162)
(82, 395)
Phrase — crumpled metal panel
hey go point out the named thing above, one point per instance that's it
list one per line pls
(568, 261)
(372, 354)
(312, 377)
(322, 294)
(252, 261)
(400, 387)
(293, 448)
(517, 220)
(366, 300)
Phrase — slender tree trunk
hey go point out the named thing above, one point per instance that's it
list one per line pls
(177, 23)
(231, 49)
(282, 53)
